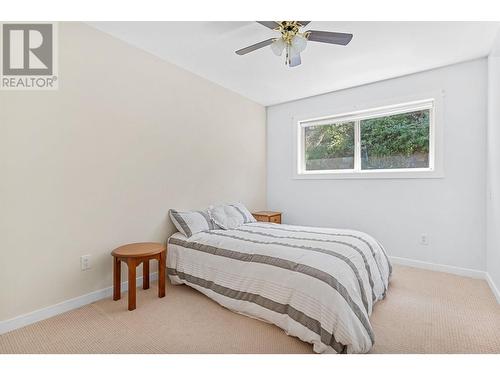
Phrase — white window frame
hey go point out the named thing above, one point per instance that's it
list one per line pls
(434, 170)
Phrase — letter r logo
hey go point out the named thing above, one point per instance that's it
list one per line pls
(27, 49)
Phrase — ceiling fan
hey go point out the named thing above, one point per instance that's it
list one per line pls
(293, 41)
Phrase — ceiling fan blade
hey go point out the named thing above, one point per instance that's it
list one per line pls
(254, 47)
(294, 61)
(304, 23)
(328, 37)
(273, 25)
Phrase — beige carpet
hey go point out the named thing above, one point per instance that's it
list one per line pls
(424, 312)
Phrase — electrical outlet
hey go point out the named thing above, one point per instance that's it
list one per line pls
(85, 262)
(424, 239)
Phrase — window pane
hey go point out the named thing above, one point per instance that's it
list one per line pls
(397, 141)
(329, 147)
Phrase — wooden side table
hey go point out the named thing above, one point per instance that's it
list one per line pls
(134, 254)
(268, 216)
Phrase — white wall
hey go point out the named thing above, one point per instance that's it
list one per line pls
(450, 210)
(493, 168)
(99, 162)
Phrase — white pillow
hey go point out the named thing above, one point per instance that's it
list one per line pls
(230, 216)
(244, 212)
(191, 222)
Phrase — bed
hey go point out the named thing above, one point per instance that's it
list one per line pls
(318, 284)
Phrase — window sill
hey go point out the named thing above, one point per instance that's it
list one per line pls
(369, 175)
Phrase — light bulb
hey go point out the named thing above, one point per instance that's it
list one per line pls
(299, 43)
(278, 46)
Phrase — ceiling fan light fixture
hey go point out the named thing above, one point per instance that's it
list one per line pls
(278, 46)
(294, 41)
(299, 43)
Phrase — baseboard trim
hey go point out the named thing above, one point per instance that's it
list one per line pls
(469, 272)
(476, 274)
(74, 303)
(493, 287)
(62, 307)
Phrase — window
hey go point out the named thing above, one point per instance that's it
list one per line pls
(384, 140)
(329, 147)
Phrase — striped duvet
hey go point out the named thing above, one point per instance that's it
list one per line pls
(317, 284)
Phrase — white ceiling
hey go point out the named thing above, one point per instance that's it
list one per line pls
(378, 50)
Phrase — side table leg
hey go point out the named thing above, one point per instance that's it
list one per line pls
(145, 274)
(117, 283)
(131, 283)
(161, 274)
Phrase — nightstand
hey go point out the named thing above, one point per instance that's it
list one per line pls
(268, 216)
